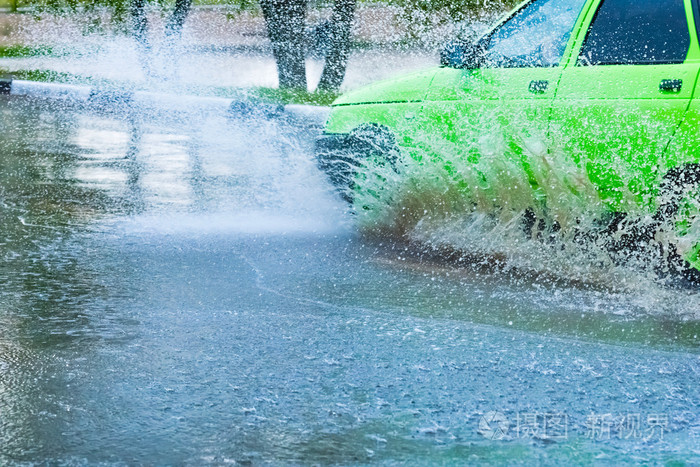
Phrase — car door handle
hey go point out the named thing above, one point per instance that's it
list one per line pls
(539, 86)
(671, 85)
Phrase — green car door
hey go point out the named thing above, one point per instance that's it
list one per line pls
(489, 123)
(623, 94)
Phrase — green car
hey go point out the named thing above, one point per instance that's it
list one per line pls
(568, 114)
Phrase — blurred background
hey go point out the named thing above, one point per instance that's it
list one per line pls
(223, 47)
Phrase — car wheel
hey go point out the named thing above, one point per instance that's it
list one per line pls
(341, 158)
(679, 215)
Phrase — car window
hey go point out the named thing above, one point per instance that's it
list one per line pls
(637, 32)
(536, 36)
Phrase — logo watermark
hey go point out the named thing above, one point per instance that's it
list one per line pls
(554, 426)
(602, 427)
(494, 425)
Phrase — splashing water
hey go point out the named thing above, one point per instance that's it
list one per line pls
(473, 194)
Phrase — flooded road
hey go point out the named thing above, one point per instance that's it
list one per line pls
(186, 289)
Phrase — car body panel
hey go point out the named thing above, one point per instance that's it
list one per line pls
(410, 88)
(497, 124)
(616, 123)
(399, 117)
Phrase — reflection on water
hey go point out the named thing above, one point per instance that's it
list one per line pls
(186, 289)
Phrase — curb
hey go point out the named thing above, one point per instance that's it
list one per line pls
(95, 97)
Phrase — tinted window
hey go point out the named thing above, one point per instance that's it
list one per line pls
(536, 36)
(637, 32)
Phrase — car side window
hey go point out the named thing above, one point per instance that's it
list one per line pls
(536, 36)
(628, 32)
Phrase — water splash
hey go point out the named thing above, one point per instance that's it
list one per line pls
(471, 192)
